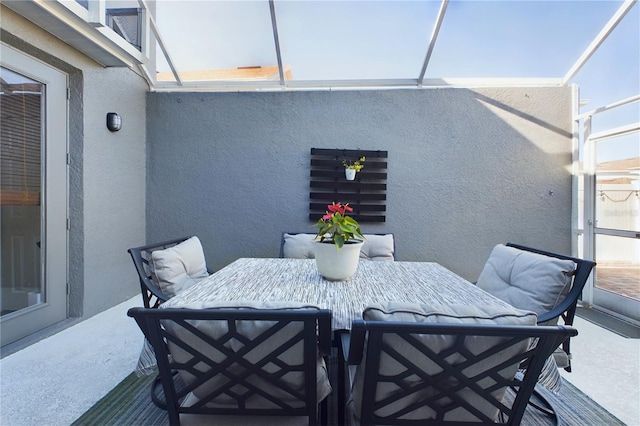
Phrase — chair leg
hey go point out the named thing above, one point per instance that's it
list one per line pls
(324, 412)
(341, 381)
(566, 349)
(541, 403)
(155, 386)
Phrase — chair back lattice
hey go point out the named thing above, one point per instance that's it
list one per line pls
(567, 308)
(428, 373)
(237, 361)
(152, 296)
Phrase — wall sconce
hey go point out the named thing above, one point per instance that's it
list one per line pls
(114, 122)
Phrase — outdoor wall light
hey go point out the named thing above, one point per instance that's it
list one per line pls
(114, 122)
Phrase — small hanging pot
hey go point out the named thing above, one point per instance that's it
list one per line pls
(350, 174)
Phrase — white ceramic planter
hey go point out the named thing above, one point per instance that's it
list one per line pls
(334, 264)
(350, 174)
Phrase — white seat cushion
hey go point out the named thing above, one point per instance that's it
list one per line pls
(527, 280)
(249, 330)
(179, 267)
(454, 314)
(451, 314)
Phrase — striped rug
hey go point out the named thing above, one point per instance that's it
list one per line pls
(129, 403)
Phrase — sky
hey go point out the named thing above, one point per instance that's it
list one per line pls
(364, 39)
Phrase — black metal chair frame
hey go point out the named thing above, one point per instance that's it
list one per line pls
(240, 372)
(567, 308)
(371, 334)
(152, 296)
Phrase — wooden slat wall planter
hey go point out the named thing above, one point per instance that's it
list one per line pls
(367, 194)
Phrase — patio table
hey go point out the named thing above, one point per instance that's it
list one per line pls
(297, 280)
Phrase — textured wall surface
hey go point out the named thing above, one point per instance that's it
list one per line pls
(467, 169)
(106, 171)
(114, 185)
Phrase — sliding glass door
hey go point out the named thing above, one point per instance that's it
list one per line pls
(617, 225)
(611, 206)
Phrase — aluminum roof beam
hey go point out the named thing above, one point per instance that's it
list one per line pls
(432, 41)
(600, 38)
(334, 85)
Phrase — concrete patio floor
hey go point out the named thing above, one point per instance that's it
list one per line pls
(54, 381)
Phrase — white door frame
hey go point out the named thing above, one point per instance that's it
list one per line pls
(54, 199)
(592, 296)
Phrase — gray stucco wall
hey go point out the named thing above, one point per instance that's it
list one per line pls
(114, 185)
(106, 172)
(467, 169)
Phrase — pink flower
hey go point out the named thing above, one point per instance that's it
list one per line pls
(336, 226)
(335, 208)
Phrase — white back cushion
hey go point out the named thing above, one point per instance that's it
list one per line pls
(298, 246)
(527, 280)
(378, 247)
(179, 267)
(375, 247)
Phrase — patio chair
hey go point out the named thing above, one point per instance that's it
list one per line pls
(231, 362)
(183, 265)
(300, 246)
(416, 365)
(549, 284)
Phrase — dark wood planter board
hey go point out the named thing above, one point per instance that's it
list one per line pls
(367, 194)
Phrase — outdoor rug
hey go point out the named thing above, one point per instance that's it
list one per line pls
(129, 403)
